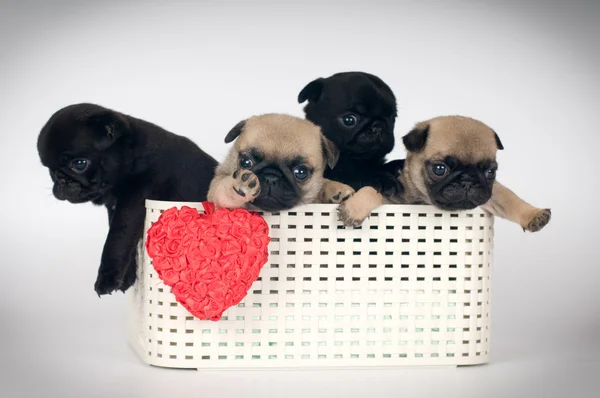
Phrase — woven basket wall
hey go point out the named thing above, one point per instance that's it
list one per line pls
(410, 287)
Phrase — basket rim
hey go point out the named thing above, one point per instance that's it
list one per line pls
(318, 207)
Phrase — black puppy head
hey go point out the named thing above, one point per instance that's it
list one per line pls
(286, 153)
(355, 110)
(82, 147)
(452, 160)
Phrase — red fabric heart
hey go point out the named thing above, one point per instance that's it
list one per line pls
(209, 260)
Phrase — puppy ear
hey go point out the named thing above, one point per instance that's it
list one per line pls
(498, 142)
(312, 91)
(111, 126)
(235, 132)
(331, 152)
(415, 140)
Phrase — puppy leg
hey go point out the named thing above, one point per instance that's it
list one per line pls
(358, 207)
(235, 190)
(118, 263)
(130, 272)
(389, 178)
(394, 167)
(111, 213)
(334, 192)
(506, 204)
(386, 183)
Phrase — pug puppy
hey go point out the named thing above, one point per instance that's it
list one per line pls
(98, 155)
(276, 163)
(451, 164)
(357, 112)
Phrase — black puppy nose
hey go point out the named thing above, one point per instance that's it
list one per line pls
(271, 175)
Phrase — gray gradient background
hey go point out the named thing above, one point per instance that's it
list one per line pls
(529, 69)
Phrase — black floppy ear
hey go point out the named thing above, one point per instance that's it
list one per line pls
(498, 142)
(312, 91)
(235, 132)
(331, 152)
(111, 126)
(415, 140)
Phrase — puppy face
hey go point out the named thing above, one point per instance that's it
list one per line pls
(286, 153)
(80, 145)
(451, 162)
(355, 110)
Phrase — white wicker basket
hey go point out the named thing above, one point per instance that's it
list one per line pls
(410, 287)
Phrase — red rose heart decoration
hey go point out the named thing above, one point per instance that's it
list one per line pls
(209, 260)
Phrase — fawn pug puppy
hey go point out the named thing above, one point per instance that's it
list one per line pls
(276, 163)
(105, 157)
(451, 164)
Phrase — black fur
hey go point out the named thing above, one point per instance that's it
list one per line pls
(235, 132)
(129, 161)
(363, 147)
(498, 142)
(416, 139)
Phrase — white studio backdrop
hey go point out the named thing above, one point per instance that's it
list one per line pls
(528, 69)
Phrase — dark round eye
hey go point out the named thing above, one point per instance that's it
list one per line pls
(439, 169)
(79, 165)
(301, 173)
(349, 120)
(245, 162)
(490, 174)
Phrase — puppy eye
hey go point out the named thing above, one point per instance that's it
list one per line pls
(301, 173)
(349, 120)
(245, 162)
(80, 165)
(439, 169)
(490, 174)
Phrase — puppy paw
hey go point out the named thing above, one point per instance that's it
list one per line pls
(360, 205)
(130, 277)
(246, 184)
(335, 192)
(107, 281)
(537, 220)
(352, 213)
(348, 216)
(388, 184)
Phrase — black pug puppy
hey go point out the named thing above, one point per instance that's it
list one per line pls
(357, 111)
(98, 155)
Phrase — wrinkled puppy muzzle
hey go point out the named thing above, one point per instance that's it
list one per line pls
(370, 134)
(461, 191)
(374, 139)
(66, 188)
(277, 191)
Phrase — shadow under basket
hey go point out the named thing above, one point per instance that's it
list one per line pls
(411, 287)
